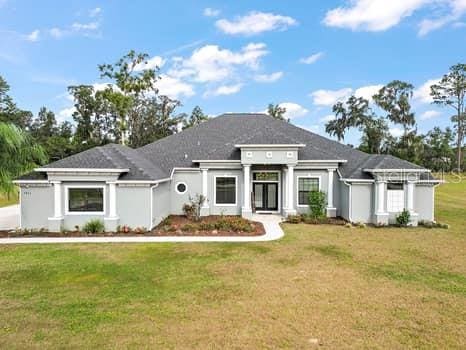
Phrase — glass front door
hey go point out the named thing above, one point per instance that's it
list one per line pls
(266, 196)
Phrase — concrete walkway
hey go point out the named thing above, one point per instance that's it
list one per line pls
(9, 217)
(273, 231)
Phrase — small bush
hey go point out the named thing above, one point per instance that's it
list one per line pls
(317, 203)
(94, 226)
(192, 210)
(294, 219)
(403, 218)
(189, 228)
(348, 225)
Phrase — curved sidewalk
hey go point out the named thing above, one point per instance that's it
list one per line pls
(273, 231)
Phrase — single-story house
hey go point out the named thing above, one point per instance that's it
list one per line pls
(242, 163)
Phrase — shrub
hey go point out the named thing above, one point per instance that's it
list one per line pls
(189, 228)
(294, 219)
(348, 225)
(403, 218)
(317, 202)
(192, 210)
(94, 226)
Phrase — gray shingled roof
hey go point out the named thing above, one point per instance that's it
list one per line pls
(216, 138)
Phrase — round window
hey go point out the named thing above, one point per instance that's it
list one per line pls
(181, 187)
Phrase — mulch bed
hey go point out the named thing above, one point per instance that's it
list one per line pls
(176, 221)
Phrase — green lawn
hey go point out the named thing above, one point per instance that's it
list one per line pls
(349, 288)
(6, 200)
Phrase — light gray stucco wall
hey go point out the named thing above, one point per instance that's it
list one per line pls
(269, 156)
(361, 202)
(322, 174)
(344, 200)
(133, 205)
(193, 181)
(161, 202)
(36, 206)
(424, 201)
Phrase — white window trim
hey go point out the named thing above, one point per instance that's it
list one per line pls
(181, 183)
(297, 187)
(67, 209)
(215, 191)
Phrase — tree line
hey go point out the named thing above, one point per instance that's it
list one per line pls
(129, 109)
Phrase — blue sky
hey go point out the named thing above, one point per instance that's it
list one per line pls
(237, 56)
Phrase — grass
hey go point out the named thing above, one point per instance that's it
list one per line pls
(348, 288)
(6, 200)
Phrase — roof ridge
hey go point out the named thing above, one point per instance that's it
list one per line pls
(117, 149)
(110, 159)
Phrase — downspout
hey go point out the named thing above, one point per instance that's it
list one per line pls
(349, 196)
(152, 205)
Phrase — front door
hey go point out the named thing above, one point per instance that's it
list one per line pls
(265, 196)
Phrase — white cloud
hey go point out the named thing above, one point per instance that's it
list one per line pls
(372, 15)
(211, 63)
(224, 90)
(367, 91)
(66, 114)
(33, 36)
(293, 110)
(430, 115)
(456, 9)
(327, 118)
(95, 12)
(330, 97)
(210, 12)
(422, 93)
(395, 131)
(268, 78)
(152, 63)
(83, 27)
(173, 87)
(57, 33)
(255, 23)
(312, 58)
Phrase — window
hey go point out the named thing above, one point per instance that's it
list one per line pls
(265, 176)
(86, 200)
(306, 185)
(395, 197)
(225, 190)
(181, 187)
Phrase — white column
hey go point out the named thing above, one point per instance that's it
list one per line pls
(112, 199)
(410, 197)
(247, 188)
(289, 189)
(330, 189)
(380, 185)
(285, 188)
(205, 188)
(57, 212)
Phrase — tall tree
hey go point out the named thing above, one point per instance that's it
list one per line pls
(197, 117)
(9, 111)
(276, 111)
(438, 154)
(451, 91)
(354, 112)
(18, 154)
(394, 98)
(375, 134)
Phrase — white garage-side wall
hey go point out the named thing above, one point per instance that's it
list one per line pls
(36, 206)
(161, 202)
(424, 201)
(133, 204)
(193, 181)
(361, 202)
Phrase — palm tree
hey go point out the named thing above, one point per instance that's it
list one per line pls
(18, 155)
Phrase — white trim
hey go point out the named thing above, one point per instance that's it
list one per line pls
(81, 170)
(181, 183)
(279, 188)
(322, 161)
(397, 170)
(297, 187)
(20, 209)
(236, 191)
(215, 161)
(358, 180)
(299, 145)
(151, 225)
(31, 181)
(67, 212)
